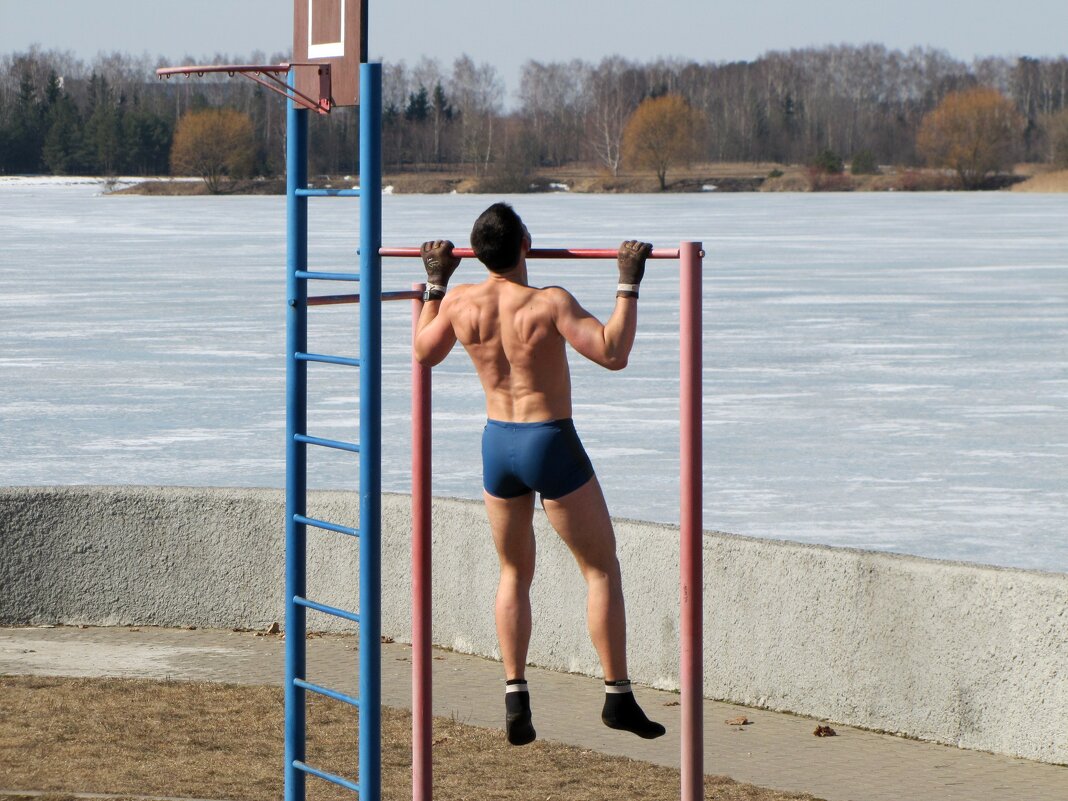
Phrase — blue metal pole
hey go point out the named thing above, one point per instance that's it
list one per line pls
(296, 420)
(370, 776)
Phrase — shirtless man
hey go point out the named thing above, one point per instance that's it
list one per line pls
(516, 335)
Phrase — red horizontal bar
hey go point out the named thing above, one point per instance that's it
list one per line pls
(534, 253)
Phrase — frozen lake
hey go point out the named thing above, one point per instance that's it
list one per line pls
(881, 371)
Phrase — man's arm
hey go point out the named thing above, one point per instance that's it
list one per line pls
(608, 345)
(434, 336)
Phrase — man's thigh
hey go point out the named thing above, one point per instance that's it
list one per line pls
(512, 523)
(582, 521)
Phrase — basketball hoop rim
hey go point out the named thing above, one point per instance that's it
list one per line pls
(269, 79)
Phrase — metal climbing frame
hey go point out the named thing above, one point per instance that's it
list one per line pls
(282, 79)
(369, 446)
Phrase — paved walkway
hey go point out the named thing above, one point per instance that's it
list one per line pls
(776, 751)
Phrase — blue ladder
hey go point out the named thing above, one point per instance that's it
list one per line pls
(369, 534)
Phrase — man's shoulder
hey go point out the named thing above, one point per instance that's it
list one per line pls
(554, 292)
(459, 291)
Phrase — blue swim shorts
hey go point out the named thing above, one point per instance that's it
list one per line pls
(545, 457)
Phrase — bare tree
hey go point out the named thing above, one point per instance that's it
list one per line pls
(613, 89)
(553, 102)
(477, 92)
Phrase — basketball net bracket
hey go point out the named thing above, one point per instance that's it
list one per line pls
(272, 76)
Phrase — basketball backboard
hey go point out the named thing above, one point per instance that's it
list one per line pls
(330, 32)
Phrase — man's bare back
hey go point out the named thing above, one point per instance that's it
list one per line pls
(512, 334)
(516, 336)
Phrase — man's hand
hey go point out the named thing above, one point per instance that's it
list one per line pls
(631, 258)
(440, 264)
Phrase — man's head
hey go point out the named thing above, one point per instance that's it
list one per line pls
(497, 237)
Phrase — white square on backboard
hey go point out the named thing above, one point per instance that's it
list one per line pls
(325, 49)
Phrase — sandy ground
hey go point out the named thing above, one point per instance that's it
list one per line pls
(138, 738)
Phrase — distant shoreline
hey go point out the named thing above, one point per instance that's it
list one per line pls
(708, 178)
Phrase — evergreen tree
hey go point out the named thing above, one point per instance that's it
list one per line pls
(441, 114)
(63, 143)
(418, 106)
(24, 134)
(103, 128)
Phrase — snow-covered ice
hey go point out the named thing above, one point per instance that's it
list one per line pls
(880, 371)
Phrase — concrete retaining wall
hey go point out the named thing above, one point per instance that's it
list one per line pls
(965, 655)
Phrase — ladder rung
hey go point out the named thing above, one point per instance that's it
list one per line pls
(321, 276)
(330, 610)
(315, 688)
(327, 443)
(328, 193)
(322, 774)
(332, 300)
(318, 357)
(311, 521)
(403, 294)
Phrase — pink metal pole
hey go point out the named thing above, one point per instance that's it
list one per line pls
(691, 579)
(690, 551)
(535, 253)
(422, 768)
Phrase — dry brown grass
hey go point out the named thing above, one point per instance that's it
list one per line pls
(137, 738)
(1045, 182)
(591, 178)
(170, 188)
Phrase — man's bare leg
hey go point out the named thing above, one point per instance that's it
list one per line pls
(511, 520)
(582, 521)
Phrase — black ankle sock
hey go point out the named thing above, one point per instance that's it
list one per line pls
(621, 711)
(517, 723)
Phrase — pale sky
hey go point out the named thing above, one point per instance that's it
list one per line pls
(506, 34)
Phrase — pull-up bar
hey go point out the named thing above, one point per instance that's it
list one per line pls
(534, 253)
(691, 568)
(465, 253)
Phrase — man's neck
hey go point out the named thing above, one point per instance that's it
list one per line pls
(516, 275)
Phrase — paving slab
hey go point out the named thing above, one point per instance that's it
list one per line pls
(775, 750)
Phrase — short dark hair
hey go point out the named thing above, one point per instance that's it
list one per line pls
(497, 237)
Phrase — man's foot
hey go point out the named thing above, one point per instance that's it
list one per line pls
(621, 711)
(517, 724)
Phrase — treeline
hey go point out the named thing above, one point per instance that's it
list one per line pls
(112, 116)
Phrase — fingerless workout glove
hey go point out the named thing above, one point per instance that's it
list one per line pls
(631, 258)
(439, 264)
